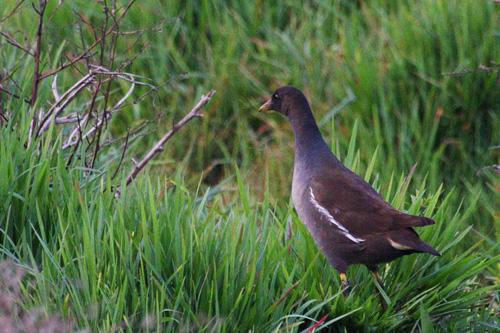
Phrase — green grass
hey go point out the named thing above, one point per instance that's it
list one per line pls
(233, 256)
(218, 260)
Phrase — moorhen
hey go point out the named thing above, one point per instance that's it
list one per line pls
(349, 221)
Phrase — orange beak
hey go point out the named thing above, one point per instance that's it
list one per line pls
(266, 106)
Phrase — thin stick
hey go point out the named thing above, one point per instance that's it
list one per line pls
(90, 48)
(12, 12)
(2, 117)
(2, 89)
(158, 147)
(122, 157)
(11, 40)
(71, 141)
(38, 49)
(68, 96)
(100, 122)
(60, 104)
(68, 163)
(31, 132)
(55, 92)
(481, 68)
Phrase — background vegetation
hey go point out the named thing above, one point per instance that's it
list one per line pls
(207, 240)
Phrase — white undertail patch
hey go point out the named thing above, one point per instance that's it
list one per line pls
(323, 211)
(398, 246)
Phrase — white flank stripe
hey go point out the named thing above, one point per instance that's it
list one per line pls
(330, 219)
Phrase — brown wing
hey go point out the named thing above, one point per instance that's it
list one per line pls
(357, 206)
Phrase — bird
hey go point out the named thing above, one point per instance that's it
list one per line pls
(349, 220)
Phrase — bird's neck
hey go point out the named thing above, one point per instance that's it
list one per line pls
(308, 139)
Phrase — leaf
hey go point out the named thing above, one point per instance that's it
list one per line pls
(425, 321)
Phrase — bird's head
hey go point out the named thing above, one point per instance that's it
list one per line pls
(283, 100)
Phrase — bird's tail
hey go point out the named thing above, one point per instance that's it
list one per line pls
(407, 239)
(408, 221)
(424, 247)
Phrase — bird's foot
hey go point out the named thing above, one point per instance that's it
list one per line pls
(345, 284)
(346, 289)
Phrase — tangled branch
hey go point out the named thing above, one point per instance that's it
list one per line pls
(158, 147)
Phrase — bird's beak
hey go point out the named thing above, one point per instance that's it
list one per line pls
(266, 106)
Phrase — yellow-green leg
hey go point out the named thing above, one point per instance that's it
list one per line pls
(377, 277)
(345, 284)
(378, 280)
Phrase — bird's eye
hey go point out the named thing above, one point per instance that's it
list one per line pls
(276, 96)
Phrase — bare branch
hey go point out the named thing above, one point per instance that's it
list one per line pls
(124, 98)
(38, 50)
(90, 48)
(76, 146)
(87, 119)
(87, 23)
(2, 117)
(107, 115)
(122, 75)
(65, 99)
(156, 28)
(481, 68)
(2, 89)
(31, 132)
(58, 107)
(12, 12)
(12, 41)
(55, 92)
(158, 147)
(125, 145)
(71, 141)
(134, 134)
(73, 118)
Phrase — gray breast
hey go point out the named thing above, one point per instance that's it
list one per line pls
(299, 184)
(301, 198)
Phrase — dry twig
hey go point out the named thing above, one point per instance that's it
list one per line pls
(12, 41)
(12, 12)
(88, 123)
(91, 47)
(38, 49)
(55, 92)
(480, 69)
(158, 147)
(63, 101)
(122, 157)
(100, 122)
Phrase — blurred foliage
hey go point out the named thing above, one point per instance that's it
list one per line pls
(419, 80)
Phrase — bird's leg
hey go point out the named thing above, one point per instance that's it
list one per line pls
(377, 277)
(345, 284)
(378, 280)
